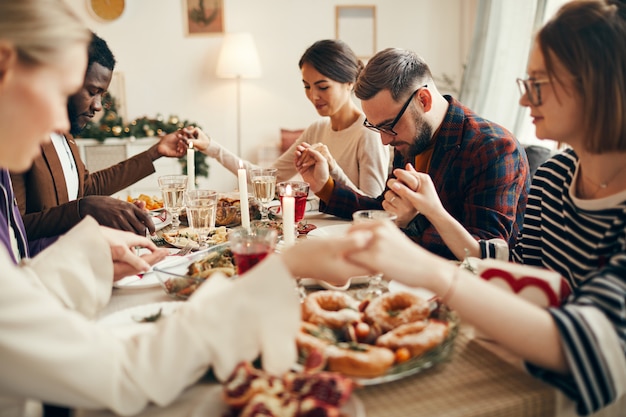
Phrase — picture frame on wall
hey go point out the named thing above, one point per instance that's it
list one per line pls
(356, 26)
(203, 17)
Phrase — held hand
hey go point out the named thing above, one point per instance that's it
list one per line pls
(118, 214)
(325, 258)
(417, 190)
(323, 149)
(396, 204)
(392, 253)
(172, 145)
(197, 137)
(125, 260)
(312, 166)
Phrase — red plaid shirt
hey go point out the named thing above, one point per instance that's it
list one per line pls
(481, 174)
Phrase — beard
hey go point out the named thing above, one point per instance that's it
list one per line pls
(421, 141)
(72, 112)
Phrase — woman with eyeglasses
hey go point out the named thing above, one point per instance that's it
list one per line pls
(355, 155)
(575, 220)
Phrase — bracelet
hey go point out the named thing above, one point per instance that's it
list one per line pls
(450, 291)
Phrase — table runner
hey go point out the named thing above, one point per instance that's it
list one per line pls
(474, 382)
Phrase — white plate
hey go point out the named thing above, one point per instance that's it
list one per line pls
(333, 230)
(395, 286)
(128, 315)
(147, 280)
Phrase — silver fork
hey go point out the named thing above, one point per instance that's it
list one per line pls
(184, 251)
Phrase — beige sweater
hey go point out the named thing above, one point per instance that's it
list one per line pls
(362, 159)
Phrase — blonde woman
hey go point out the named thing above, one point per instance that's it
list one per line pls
(51, 349)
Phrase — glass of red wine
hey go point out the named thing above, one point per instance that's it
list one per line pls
(251, 246)
(299, 191)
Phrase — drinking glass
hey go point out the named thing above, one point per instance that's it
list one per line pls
(375, 286)
(201, 208)
(173, 188)
(251, 246)
(264, 185)
(299, 191)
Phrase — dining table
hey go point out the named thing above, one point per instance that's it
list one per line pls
(478, 379)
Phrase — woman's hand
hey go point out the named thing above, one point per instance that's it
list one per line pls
(312, 165)
(325, 258)
(125, 261)
(200, 140)
(391, 253)
(411, 193)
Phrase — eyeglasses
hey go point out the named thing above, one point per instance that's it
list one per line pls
(532, 89)
(387, 128)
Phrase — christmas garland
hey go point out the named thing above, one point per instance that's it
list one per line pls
(111, 125)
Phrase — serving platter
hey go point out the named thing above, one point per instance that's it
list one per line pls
(420, 363)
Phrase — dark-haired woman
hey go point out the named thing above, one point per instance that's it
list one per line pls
(356, 155)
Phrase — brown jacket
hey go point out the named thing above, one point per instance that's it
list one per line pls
(41, 192)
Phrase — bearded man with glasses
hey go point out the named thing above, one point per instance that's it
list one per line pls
(479, 169)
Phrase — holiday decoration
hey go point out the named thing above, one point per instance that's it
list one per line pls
(111, 125)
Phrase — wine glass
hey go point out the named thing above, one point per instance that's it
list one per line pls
(201, 209)
(375, 286)
(173, 188)
(264, 185)
(251, 246)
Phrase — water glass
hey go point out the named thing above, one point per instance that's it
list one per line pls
(299, 191)
(250, 247)
(264, 186)
(201, 209)
(375, 287)
(173, 188)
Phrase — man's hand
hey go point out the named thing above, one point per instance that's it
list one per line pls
(171, 145)
(312, 165)
(117, 214)
(123, 254)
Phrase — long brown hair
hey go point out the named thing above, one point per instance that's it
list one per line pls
(588, 37)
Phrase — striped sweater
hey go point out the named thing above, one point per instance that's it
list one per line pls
(585, 241)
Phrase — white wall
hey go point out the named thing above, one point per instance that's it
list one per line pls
(169, 73)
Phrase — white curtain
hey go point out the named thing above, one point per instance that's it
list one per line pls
(498, 55)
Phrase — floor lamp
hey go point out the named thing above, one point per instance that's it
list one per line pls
(238, 59)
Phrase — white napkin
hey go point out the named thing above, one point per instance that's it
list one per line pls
(258, 313)
(538, 285)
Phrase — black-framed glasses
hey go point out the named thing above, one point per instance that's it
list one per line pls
(532, 88)
(387, 128)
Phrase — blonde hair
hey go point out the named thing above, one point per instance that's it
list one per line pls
(40, 29)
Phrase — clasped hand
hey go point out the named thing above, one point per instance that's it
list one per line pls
(411, 193)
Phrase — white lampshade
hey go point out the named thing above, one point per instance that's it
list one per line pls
(238, 57)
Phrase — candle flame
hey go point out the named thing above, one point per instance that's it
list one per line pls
(288, 190)
(240, 164)
(190, 145)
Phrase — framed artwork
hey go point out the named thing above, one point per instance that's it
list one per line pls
(356, 26)
(203, 17)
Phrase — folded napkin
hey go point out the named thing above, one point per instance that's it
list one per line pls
(540, 286)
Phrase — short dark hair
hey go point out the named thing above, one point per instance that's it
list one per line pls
(398, 70)
(334, 59)
(100, 53)
(588, 37)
